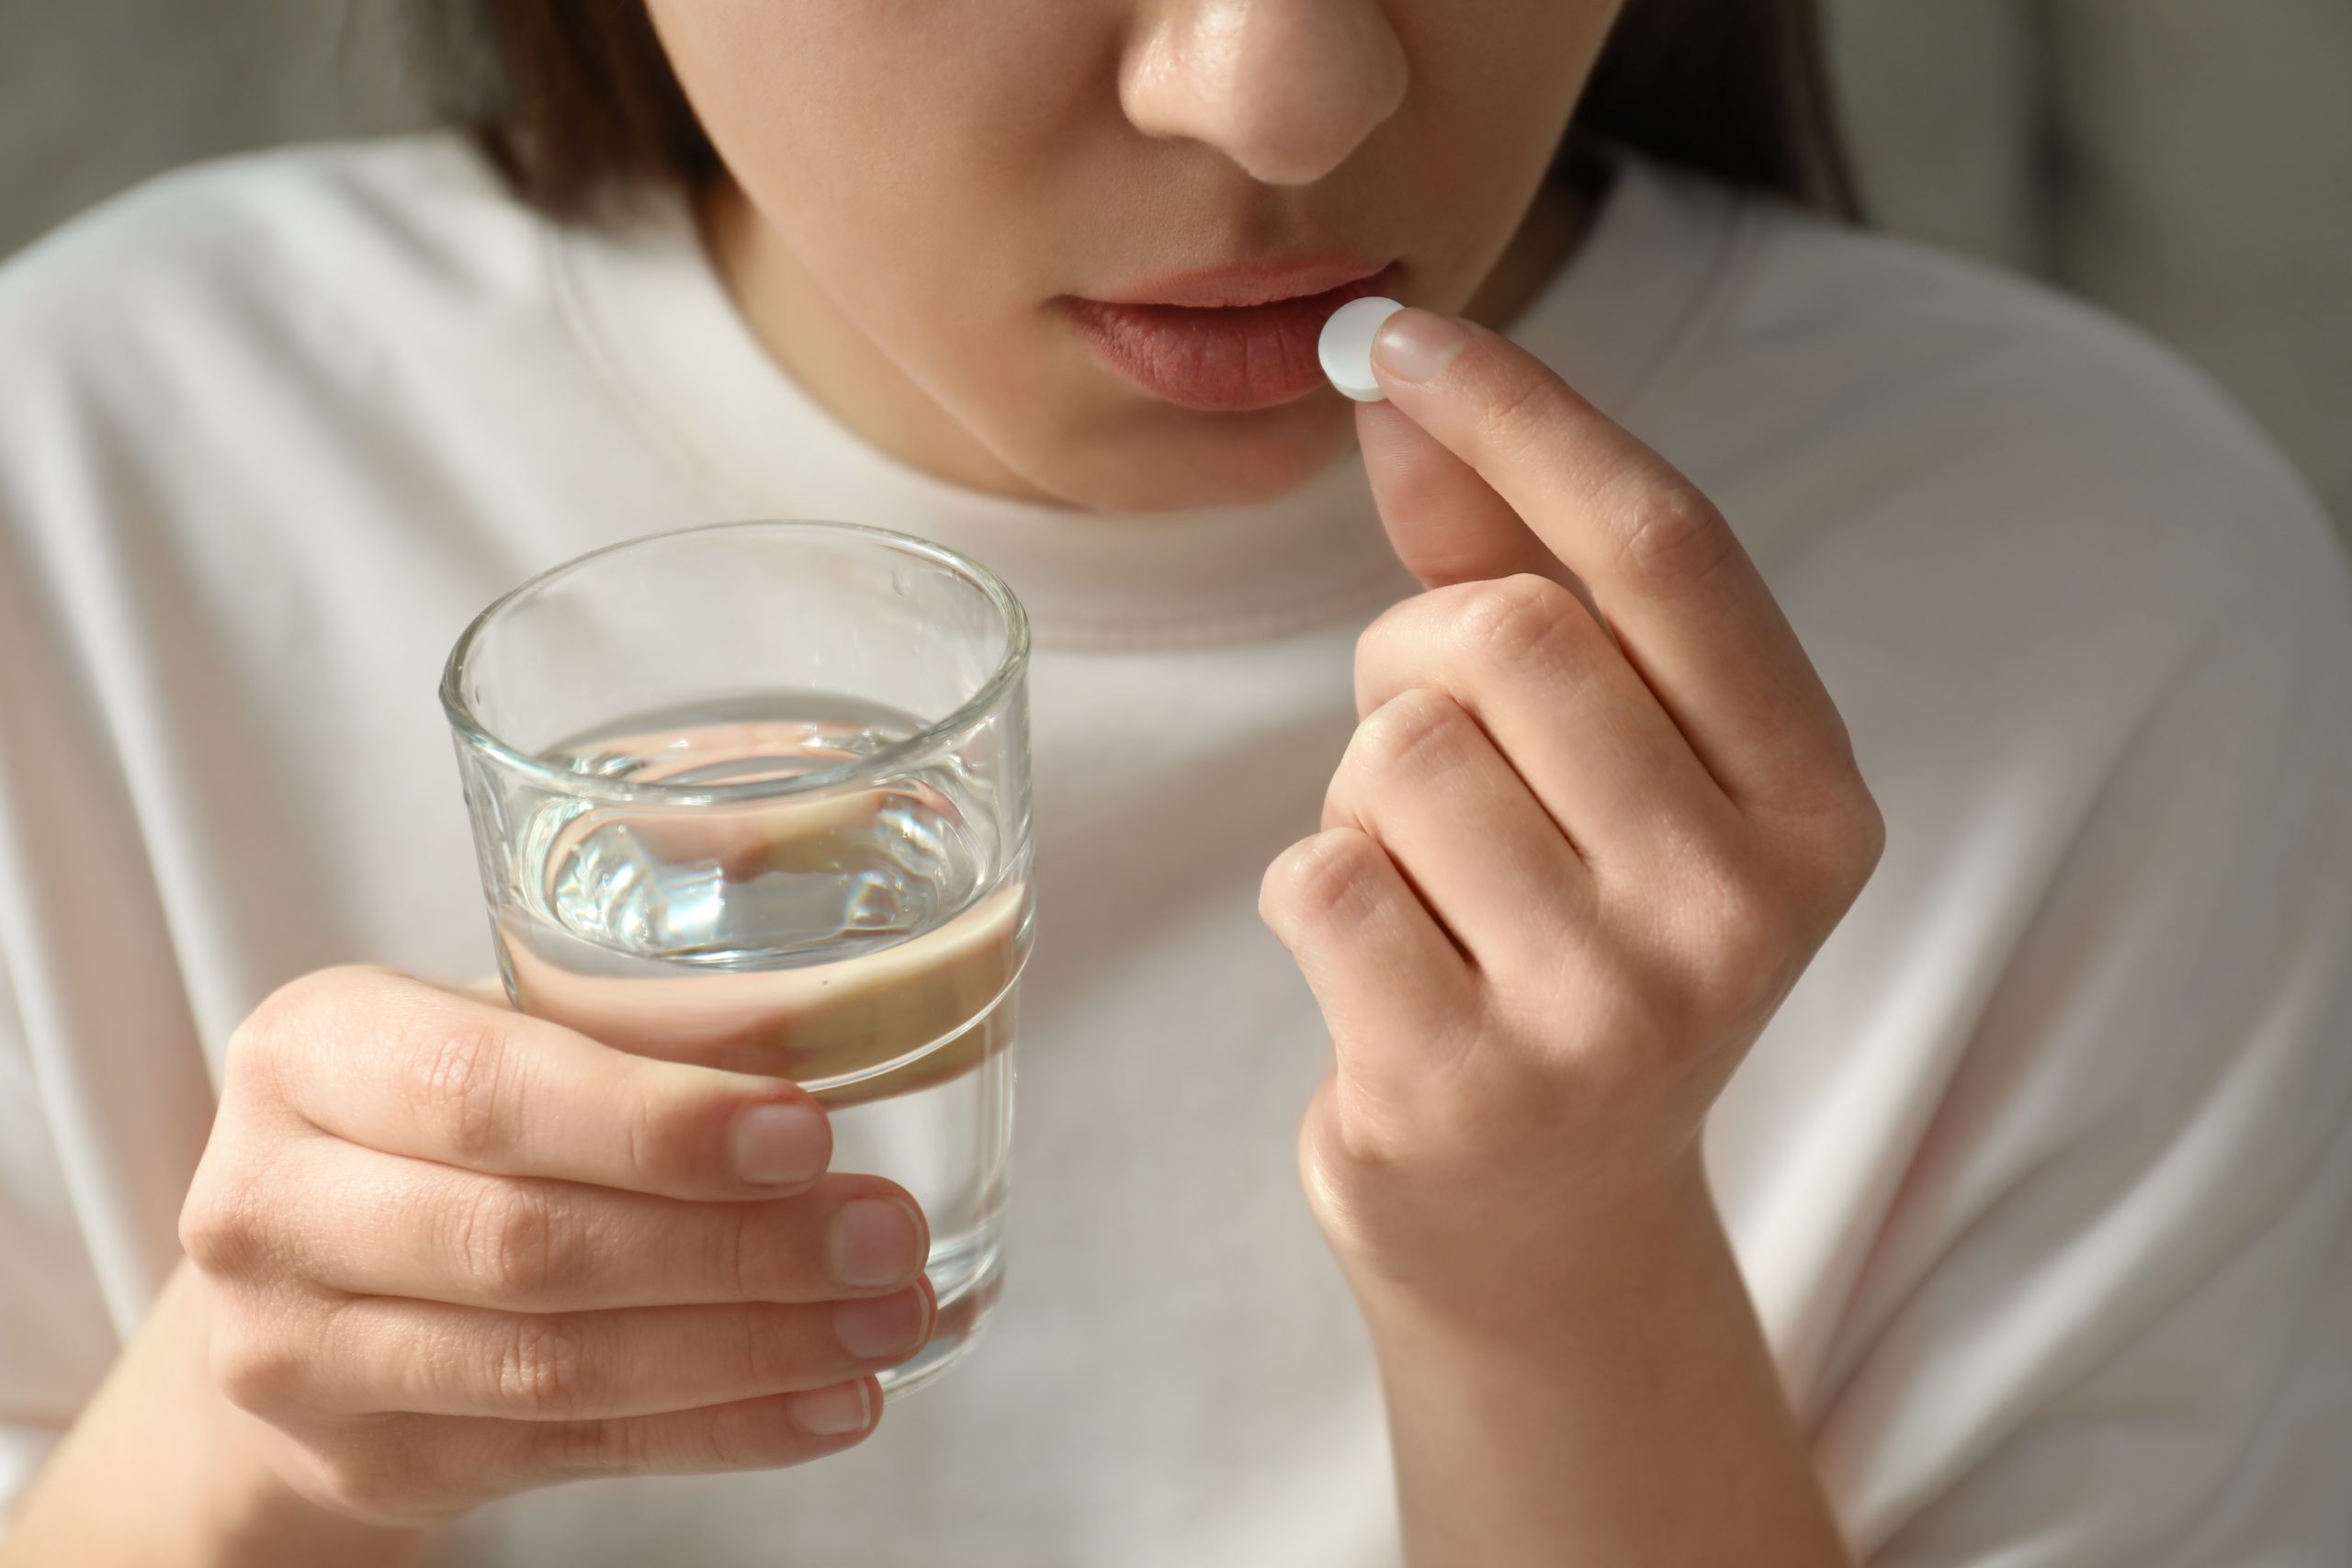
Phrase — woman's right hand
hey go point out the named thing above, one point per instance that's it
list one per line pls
(452, 1252)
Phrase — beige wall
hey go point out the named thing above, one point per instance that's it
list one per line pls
(95, 94)
(2188, 162)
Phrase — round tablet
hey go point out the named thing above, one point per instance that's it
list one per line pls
(1345, 346)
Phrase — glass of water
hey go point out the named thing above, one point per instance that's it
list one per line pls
(756, 795)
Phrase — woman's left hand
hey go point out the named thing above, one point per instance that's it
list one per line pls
(1563, 878)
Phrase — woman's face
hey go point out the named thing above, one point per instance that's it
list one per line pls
(936, 188)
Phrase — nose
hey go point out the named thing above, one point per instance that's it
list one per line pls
(1286, 89)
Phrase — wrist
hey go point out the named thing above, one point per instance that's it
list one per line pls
(161, 1468)
(252, 1514)
(1634, 1256)
(1583, 1397)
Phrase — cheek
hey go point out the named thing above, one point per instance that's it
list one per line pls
(813, 101)
(1496, 82)
(888, 142)
(1504, 75)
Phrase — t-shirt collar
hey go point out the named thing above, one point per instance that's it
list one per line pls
(652, 315)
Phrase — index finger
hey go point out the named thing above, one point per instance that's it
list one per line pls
(1689, 608)
(381, 1060)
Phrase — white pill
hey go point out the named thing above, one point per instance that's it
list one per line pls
(1345, 346)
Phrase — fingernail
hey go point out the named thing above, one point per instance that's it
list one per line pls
(1417, 345)
(776, 1144)
(885, 1326)
(875, 1242)
(830, 1412)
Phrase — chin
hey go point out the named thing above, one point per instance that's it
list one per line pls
(1206, 460)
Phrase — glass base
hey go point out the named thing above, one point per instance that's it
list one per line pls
(962, 1319)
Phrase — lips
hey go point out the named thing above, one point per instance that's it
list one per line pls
(1223, 357)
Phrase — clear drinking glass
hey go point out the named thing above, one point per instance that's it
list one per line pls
(757, 795)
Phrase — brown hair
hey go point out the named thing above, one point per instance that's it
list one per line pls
(574, 99)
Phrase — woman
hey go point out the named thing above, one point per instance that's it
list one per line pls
(1949, 820)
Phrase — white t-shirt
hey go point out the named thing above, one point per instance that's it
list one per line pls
(2041, 1177)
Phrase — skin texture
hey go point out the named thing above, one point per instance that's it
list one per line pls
(1565, 875)
(1070, 146)
(1597, 818)
(439, 1252)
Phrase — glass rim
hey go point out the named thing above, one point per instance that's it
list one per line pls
(471, 732)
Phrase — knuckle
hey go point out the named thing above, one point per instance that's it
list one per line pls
(221, 1227)
(254, 1371)
(1519, 622)
(1374, 640)
(740, 1260)
(1673, 537)
(1414, 733)
(1327, 879)
(1748, 937)
(1848, 835)
(767, 1354)
(290, 1013)
(1388, 650)
(1368, 1141)
(1354, 1148)
(612, 1447)
(648, 1138)
(541, 1366)
(728, 1441)
(456, 1086)
(1864, 844)
(511, 1238)
(1837, 836)
(278, 1022)
(251, 1052)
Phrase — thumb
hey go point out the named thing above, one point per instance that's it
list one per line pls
(1445, 522)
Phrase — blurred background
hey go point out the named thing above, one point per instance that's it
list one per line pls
(2185, 163)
